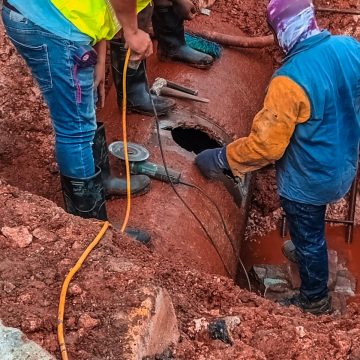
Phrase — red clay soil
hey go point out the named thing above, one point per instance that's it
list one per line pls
(31, 277)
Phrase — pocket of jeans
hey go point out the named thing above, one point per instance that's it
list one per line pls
(18, 18)
(37, 58)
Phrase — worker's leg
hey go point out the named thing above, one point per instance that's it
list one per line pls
(307, 230)
(50, 59)
(169, 30)
(138, 97)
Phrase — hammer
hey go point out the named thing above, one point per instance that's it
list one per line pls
(160, 87)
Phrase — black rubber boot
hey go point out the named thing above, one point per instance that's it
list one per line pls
(317, 307)
(141, 236)
(169, 31)
(114, 186)
(138, 98)
(84, 197)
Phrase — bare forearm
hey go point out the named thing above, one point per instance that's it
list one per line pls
(126, 13)
(100, 48)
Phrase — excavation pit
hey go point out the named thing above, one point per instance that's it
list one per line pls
(114, 279)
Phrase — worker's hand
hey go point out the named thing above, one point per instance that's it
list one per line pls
(99, 82)
(213, 163)
(139, 43)
(185, 8)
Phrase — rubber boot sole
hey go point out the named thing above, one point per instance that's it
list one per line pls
(163, 58)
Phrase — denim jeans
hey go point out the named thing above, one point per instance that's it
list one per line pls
(50, 59)
(307, 231)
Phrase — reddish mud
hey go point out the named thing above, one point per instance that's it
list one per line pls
(31, 277)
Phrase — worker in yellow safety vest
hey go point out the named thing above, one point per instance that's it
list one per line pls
(63, 43)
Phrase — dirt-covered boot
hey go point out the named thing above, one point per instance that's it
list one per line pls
(138, 97)
(85, 197)
(169, 31)
(315, 307)
(115, 186)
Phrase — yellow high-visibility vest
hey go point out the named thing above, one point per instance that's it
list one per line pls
(95, 18)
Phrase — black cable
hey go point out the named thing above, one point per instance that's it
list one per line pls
(201, 191)
(172, 183)
(226, 230)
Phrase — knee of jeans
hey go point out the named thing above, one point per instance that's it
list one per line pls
(76, 137)
(312, 251)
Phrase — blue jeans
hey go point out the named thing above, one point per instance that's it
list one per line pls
(50, 59)
(307, 231)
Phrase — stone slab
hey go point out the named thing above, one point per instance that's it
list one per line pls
(15, 346)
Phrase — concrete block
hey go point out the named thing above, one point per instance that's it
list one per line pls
(152, 327)
(345, 283)
(15, 346)
(294, 276)
(333, 268)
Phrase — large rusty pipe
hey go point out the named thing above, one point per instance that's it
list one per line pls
(235, 40)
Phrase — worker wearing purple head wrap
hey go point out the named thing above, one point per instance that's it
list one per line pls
(292, 21)
(310, 128)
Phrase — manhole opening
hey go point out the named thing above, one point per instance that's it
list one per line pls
(194, 140)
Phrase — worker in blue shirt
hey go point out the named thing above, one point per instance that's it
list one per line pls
(310, 128)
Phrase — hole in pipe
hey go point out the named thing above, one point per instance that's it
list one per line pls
(194, 140)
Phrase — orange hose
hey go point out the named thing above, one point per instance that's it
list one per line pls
(65, 287)
(79, 263)
(126, 153)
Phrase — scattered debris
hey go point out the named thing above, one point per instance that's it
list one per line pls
(19, 236)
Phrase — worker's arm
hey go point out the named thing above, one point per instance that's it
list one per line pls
(137, 40)
(99, 81)
(286, 105)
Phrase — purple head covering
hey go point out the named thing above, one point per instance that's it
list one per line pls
(292, 21)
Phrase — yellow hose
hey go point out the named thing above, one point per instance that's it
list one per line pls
(79, 263)
(127, 164)
(65, 286)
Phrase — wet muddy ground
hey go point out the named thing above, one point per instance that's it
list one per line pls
(31, 277)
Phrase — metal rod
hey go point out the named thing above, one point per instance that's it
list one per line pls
(283, 227)
(182, 88)
(339, 11)
(352, 207)
(345, 222)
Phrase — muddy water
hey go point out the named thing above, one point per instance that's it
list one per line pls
(267, 249)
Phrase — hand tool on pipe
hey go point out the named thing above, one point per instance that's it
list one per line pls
(173, 85)
(138, 156)
(160, 88)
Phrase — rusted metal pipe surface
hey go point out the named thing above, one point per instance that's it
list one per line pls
(235, 40)
(236, 87)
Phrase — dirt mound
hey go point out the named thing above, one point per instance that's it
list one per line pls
(31, 278)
